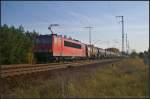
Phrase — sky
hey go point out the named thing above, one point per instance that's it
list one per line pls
(73, 16)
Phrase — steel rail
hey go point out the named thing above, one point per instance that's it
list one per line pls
(33, 65)
(12, 71)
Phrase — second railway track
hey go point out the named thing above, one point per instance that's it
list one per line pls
(7, 71)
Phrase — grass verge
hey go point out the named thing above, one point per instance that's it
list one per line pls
(125, 79)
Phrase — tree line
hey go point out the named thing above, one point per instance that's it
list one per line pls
(15, 44)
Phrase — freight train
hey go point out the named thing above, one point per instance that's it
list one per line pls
(57, 47)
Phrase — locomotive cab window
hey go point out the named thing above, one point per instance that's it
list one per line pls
(43, 40)
(70, 44)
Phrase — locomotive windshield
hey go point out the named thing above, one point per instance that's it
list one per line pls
(43, 39)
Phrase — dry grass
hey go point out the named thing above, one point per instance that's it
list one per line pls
(125, 79)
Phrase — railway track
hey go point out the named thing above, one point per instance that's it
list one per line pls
(13, 70)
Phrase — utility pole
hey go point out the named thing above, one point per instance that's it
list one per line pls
(122, 21)
(126, 44)
(128, 47)
(89, 27)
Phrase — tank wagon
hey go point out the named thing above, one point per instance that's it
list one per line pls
(57, 47)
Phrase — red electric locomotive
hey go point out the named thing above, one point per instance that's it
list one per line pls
(57, 47)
